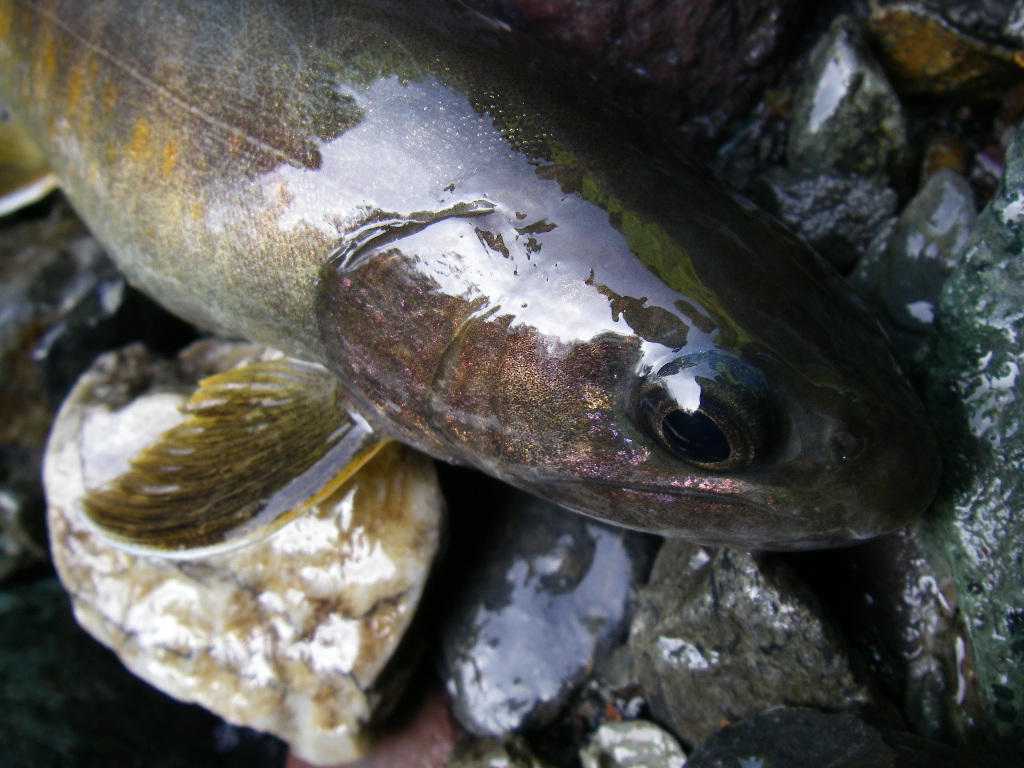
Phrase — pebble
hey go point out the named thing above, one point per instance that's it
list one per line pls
(846, 115)
(632, 744)
(722, 634)
(551, 596)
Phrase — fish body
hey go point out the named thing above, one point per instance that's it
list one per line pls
(498, 268)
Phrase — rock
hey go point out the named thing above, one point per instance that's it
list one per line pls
(899, 607)
(632, 744)
(422, 734)
(806, 739)
(838, 215)
(553, 594)
(494, 753)
(846, 116)
(904, 279)
(977, 396)
(692, 65)
(68, 702)
(926, 53)
(722, 635)
(291, 634)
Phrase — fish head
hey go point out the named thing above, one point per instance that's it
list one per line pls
(692, 370)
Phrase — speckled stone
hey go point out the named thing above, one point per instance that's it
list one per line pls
(839, 215)
(796, 738)
(977, 396)
(290, 634)
(632, 744)
(846, 115)
(722, 635)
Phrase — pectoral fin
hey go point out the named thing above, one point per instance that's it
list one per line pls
(258, 444)
(24, 173)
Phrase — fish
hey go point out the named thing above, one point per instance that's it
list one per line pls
(463, 247)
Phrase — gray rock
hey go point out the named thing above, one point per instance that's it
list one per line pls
(723, 635)
(494, 753)
(838, 215)
(846, 115)
(632, 744)
(977, 396)
(68, 703)
(905, 278)
(552, 597)
(793, 738)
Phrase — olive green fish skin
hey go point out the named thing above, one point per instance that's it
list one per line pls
(501, 270)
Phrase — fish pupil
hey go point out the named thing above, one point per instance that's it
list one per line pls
(695, 436)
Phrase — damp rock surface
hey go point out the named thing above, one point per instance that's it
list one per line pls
(846, 115)
(632, 744)
(290, 634)
(977, 395)
(838, 215)
(552, 594)
(797, 738)
(721, 635)
(904, 275)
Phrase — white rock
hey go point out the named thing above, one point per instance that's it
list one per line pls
(287, 635)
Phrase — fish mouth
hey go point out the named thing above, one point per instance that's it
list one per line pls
(774, 522)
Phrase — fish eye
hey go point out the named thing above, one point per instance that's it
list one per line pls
(709, 409)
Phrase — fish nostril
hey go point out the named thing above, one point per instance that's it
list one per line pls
(849, 446)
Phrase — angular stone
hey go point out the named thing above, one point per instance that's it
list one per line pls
(632, 744)
(290, 634)
(838, 215)
(722, 635)
(846, 116)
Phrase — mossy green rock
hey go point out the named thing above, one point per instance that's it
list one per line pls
(977, 399)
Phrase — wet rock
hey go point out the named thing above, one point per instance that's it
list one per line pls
(904, 279)
(977, 397)
(552, 595)
(692, 65)
(493, 753)
(68, 702)
(290, 634)
(632, 744)
(722, 635)
(899, 607)
(846, 116)
(838, 215)
(926, 53)
(805, 739)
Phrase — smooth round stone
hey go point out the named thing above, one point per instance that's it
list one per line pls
(553, 596)
(289, 634)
